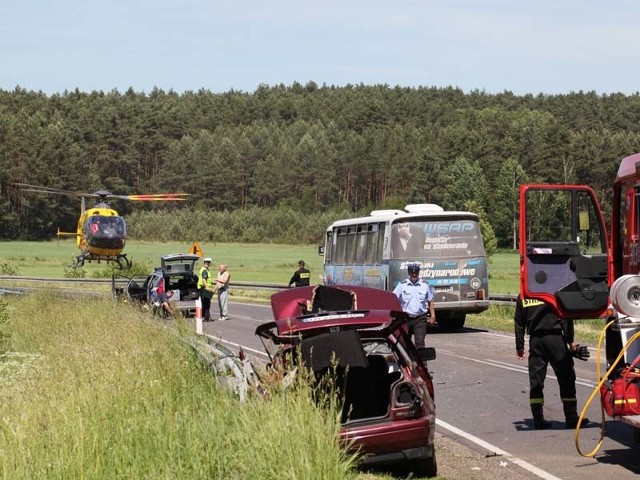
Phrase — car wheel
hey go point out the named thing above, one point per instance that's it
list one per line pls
(426, 467)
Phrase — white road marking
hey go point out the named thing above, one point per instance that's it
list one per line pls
(498, 451)
(512, 367)
(237, 345)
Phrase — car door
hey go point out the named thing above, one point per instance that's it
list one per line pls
(564, 257)
(118, 285)
(137, 289)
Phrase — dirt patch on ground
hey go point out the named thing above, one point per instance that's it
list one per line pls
(459, 462)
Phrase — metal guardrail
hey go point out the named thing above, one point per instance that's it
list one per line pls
(503, 299)
(495, 299)
(56, 280)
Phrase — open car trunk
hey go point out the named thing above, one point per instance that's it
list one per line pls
(362, 381)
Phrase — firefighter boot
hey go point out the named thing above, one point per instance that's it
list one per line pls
(571, 415)
(539, 423)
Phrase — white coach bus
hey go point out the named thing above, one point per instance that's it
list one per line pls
(374, 251)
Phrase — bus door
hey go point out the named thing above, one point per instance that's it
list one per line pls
(563, 249)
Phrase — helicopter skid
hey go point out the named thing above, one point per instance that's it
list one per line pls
(121, 260)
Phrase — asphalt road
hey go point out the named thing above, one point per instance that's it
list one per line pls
(481, 391)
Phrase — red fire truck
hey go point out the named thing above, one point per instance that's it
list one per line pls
(568, 261)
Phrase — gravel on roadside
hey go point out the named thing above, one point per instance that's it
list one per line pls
(457, 461)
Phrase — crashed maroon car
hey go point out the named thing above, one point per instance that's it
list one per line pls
(359, 335)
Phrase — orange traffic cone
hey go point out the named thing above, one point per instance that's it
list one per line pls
(199, 316)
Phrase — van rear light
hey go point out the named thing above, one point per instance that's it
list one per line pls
(480, 294)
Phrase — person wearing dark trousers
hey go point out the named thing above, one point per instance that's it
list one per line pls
(301, 276)
(416, 299)
(551, 341)
(205, 288)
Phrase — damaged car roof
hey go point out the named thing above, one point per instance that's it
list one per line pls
(304, 310)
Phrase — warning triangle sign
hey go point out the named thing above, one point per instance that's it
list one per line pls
(196, 250)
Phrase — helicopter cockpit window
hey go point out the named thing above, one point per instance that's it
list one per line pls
(106, 227)
(97, 225)
(117, 226)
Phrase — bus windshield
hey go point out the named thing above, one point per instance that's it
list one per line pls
(433, 239)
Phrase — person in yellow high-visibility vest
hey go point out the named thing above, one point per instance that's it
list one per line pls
(206, 289)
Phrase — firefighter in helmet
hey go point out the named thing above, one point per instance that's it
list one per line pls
(551, 341)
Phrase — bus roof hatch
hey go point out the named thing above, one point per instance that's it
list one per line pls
(423, 207)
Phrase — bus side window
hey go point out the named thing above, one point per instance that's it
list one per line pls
(380, 252)
(372, 243)
(340, 240)
(361, 244)
(328, 251)
(350, 250)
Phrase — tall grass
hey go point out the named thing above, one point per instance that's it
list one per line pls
(97, 390)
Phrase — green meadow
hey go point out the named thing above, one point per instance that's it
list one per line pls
(263, 263)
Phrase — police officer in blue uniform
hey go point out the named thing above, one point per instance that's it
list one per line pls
(416, 298)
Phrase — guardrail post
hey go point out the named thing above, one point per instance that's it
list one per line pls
(198, 316)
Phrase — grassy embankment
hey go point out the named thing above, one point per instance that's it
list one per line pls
(93, 390)
(98, 390)
(262, 263)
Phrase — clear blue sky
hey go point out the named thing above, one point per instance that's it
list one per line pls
(524, 46)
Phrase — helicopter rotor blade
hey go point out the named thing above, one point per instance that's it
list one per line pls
(104, 195)
(26, 187)
(155, 197)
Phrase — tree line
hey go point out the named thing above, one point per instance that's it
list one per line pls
(284, 161)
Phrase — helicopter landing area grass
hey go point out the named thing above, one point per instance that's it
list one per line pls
(262, 263)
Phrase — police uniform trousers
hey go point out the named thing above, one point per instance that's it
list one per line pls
(418, 327)
(206, 307)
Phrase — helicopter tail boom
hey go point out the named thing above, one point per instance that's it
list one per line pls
(66, 234)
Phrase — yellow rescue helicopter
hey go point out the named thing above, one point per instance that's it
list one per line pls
(101, 233)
